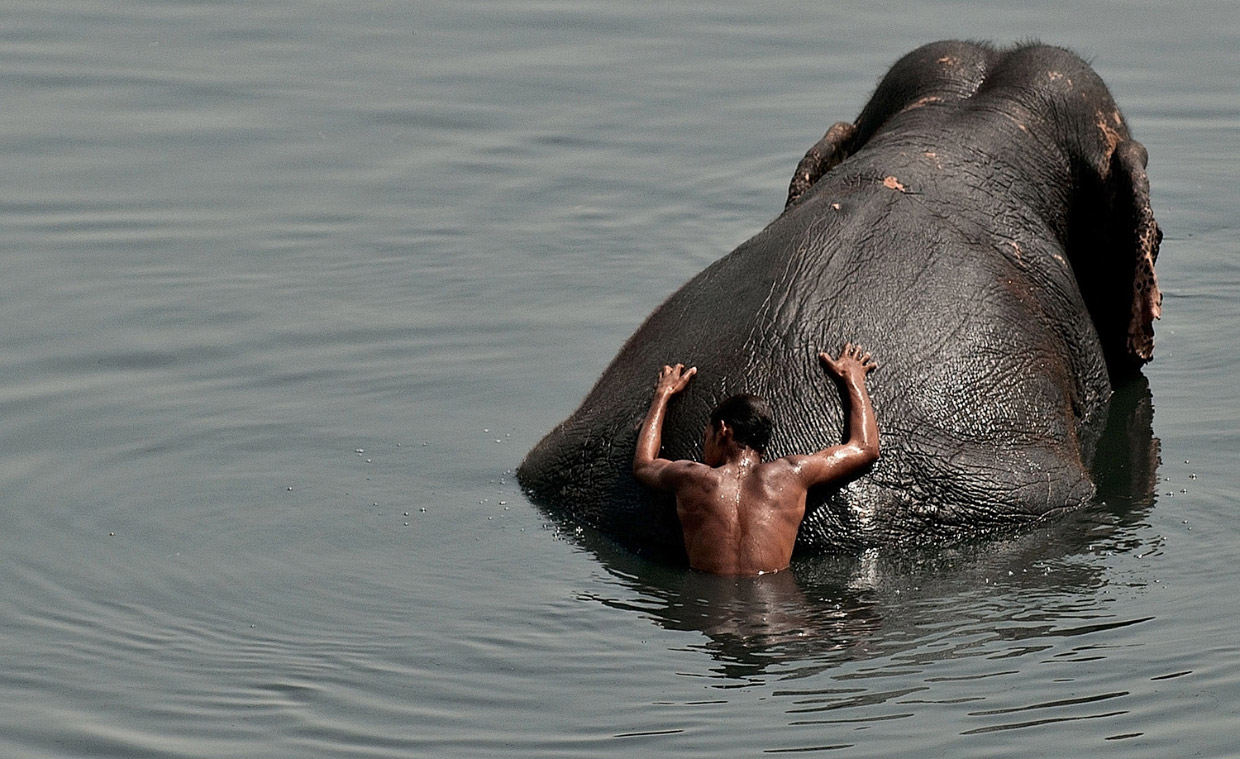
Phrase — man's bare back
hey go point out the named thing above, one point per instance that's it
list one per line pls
(740, 514)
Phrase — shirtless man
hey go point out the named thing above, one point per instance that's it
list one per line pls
(740, 514)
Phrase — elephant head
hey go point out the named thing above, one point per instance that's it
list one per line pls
(1111, 237)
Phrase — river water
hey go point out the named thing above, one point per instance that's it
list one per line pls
(290, 287)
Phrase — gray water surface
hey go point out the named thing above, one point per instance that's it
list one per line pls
(288, 289)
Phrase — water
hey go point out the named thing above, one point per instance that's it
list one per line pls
(289, 288)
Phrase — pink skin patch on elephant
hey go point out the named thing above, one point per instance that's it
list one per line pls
(892, 183)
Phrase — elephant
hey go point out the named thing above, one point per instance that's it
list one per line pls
(984, 229)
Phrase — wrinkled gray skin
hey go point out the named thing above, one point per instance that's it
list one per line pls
(984, 229)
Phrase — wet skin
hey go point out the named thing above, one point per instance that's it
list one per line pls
(740, 514)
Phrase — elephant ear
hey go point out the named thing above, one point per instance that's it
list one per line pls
(1137, 234)
(835, 146)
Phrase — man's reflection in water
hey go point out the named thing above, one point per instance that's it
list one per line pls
(764, 610)
(751, 623)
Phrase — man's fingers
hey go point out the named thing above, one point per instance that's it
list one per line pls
(675, 378)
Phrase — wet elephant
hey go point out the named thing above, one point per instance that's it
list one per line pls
(984, 228)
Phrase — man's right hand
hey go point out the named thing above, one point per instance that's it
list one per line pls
(853, 363)
(673, 379)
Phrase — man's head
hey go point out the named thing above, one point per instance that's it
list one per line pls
(746, 418)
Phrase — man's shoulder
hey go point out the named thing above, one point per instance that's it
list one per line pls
(782, 464)
(689, 470)
(785, 468)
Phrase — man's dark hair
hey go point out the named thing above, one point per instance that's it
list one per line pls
(749, 417)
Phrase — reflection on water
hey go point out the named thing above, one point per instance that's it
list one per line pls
(753, 623)
(918, 605)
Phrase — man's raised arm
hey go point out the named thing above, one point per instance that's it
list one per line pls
(860, 449)
(648, 468)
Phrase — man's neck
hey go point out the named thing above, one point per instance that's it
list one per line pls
(741, 457)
